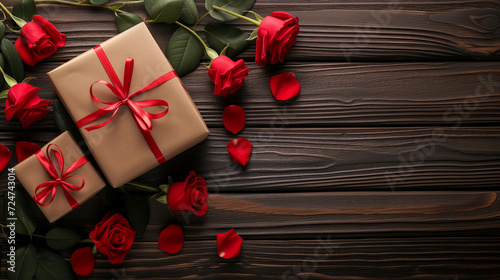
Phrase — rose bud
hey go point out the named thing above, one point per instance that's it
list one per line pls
(190, 195)
(227, 75)
(276, 35)
(24, 102)
(39, 39)
(113, 237)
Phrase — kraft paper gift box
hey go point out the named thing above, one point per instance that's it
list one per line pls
(35, 177)
(123, 150)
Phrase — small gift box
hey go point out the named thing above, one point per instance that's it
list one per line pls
(132, 109)
(59, 177)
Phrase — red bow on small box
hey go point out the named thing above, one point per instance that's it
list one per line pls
(44, 190)
(122, 91)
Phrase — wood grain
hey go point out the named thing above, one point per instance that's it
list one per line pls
(343, 94)
(328, 258)
(318, 159)
(271, 216)
(331, 30)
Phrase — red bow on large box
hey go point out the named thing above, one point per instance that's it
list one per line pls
(122, 91)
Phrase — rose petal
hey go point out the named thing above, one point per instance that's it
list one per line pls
(229, 244)
(240, 150)
(25, 149)
(4, 156)
(234, 118)
(284, 86)
(83, 261)
(171, 239)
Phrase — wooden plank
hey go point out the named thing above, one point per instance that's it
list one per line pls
(343, 94)
(300, 159)
(392, 30)
(323, 258)
(263, 216)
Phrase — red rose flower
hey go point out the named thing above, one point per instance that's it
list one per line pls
(113, 236)
(190, 195)
(39, 39)
(276, 35)
(227, 75)
(24, 102)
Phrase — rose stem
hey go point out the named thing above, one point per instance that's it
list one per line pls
(82, 4)
(143, 186)
(10, 14)
(194, 33)
(237, 15)
(198, 21)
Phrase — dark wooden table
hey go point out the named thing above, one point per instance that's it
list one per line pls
(387, 165)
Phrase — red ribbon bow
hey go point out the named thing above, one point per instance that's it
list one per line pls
(141, 117)
(44, 190)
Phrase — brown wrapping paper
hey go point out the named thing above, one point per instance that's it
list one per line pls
(31, 173)
(119, 148)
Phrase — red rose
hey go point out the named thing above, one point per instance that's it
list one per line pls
(39, 39)
(113, 236)
(190, 195)
(276, 35)
(227, 75)
(24, 102)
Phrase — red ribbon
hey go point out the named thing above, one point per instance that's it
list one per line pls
(44, 190)
(141, 117)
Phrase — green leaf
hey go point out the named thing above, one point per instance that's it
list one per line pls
(4, 94)
(189, 13)
(25, 264)
(254, 35)
(107, 195)
(235, 6)
(25, 9)
(99, 2)
(126, 20)
(2, 29)
(184, 51)
(162, 199)
(219, 35)
(137, 208)
(51, 266)
(10, 81)
(211, 53)
(2, 65)
(258, 17)
(62, 238)
(167, 11)
(25, 223)
(64, 121)
(13, 64)
(164, 187)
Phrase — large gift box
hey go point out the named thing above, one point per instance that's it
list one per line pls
(132, 110)
(58, 177)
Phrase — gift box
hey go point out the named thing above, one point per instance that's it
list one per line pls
(131, 108)
(58, 191)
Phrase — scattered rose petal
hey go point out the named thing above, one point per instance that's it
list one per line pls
(240, 150)
(229, 244)
(171, 239)
(234, 118)
(4, 156)
(284, 86)
(25, 149)
(83, 261)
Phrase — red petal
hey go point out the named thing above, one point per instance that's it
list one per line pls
(4, 156)
(229, 244)
(171, 239)
(234, 118)
(83, 261)
(25, 149)
(284, 86)
(240, 150)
